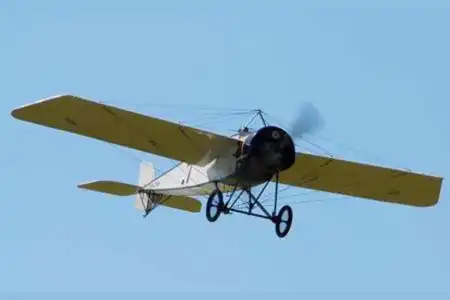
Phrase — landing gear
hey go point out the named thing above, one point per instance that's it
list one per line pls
(282, 219)
(214, 206)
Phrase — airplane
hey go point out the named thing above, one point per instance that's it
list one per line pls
(223, 168)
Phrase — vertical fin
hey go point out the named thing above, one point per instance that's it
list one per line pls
(146, 175)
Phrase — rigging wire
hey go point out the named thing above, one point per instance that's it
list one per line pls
(168, 171)
(341, 145)
(334, 198)
(237, 113)
(215, 118)
(181, 106)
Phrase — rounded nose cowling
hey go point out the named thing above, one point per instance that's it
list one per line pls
(274, 147)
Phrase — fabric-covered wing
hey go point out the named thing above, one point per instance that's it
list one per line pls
(362, 180)
(126, 128)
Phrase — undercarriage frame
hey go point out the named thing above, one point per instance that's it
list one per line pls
(216, 206)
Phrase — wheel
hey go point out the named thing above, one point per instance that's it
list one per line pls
(214, 206)
(284, 221)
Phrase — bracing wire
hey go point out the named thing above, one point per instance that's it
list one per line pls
(172, 106)
(215, 116)
(174, 163)
(363, 153)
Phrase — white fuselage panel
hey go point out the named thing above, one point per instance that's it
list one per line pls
(190, 180)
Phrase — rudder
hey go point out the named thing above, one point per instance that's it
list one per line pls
(146, 175)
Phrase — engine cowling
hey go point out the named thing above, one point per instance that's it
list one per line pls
(268, 151)
(274, 148)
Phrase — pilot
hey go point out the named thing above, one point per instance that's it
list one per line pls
(245, 137)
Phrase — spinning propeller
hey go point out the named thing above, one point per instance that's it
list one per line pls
(308, 120)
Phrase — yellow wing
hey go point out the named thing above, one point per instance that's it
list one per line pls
(125, 128)
(362, 180)
(124, 189)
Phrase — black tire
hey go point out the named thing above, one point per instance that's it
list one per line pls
(214, 206)
(284, 221)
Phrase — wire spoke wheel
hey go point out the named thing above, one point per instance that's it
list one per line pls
(284, 221)
(214, 206)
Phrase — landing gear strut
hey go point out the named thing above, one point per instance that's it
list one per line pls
(282, 219)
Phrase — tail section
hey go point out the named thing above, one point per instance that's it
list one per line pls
(146, 175)
(144, 201)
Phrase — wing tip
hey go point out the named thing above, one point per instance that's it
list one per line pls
(431, 201)
(17, 112)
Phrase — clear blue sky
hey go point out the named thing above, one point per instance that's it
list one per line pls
(378, 72)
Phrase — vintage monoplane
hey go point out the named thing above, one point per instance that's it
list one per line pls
(215, 165)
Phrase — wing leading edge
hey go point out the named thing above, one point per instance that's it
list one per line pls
(362, 180)
(125, 128)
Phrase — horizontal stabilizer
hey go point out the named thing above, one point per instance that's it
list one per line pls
(111, 187)
(124, 189)
(178, 202)
(183, 203)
